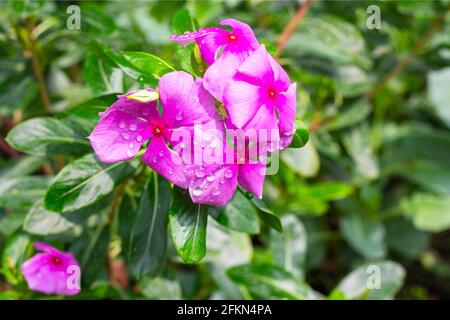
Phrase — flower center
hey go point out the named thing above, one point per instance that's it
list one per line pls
(232, 37)
(56, 260)
(157, 130)
(272, 93)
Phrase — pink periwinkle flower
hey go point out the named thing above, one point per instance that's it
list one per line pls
(52, 272)
(258, 92)
(128, 123)
(223, 50)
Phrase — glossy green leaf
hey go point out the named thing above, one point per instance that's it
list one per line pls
(269, 282)
(17, 249)
(148, 63)
(301, 135)
(22, 192)
(439, 94)
(48, 136)
(149, 234)
(85, 181)
(289, 248)
(90, 109)
(372, 281)
(160, 288)
(188, 223)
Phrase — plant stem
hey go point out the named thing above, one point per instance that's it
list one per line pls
(37, 68)
(293, 23)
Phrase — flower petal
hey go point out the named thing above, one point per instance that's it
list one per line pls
(247, 41)
(242, 100)
(251, 178)
(213, 184)
(184, 100)
(286, 105)
(280, 76)
(118, 136)
(211, 42)
(256, 69)
(165, 161)
(219, 73)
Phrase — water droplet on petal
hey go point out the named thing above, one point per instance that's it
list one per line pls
(145, 112)
(131, 145)
(154, 159)
(222, 180)
(205, 186)
(228, 173)
(185, 171)
(161, 152)
(211, 177)
(213, 144)
(200, 172)
(132, 127)
(125, 135)
(170, 171)
(122, 124)
(179, 116)
(139, 138)
(197, 192)
(215, 191)
(129, 153)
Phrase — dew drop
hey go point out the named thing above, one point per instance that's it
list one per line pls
(154, 159)
(200, 172)
(211, 177)
(179, 116)
(222, 180)
(197, 192)
(170, 171)
(228, 173)
(131, 145)
(125, 135)
(129, 153)
(132, 127)
(139, 138)
(215, 191)
(145, 112)
(161, 153)
(122, 124)
(213, 144)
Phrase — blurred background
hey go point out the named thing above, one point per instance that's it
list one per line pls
(372, 184)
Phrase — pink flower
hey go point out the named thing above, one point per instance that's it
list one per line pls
(128, 123)
(224, 51)
(258, 92)
(52, 272)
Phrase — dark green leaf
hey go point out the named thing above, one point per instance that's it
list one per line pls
(269, 282)
(148, 63)
(48, 136)
(17, 249)
(301, 136)
(149, 234)
(90, 109)
(22, 192)
(188, 222)
(85, 181)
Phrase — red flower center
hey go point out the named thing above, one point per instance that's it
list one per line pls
(56, 260)
(232, 37)
(272, 93)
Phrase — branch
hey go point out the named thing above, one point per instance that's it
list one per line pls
(37, 68)
(293, 23)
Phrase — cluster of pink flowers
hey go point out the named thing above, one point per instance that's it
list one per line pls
(243, 79)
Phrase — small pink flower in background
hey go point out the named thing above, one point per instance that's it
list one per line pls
(50, 272)
(128, 123)
(258, 92)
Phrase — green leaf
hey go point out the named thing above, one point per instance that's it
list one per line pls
(20, 167)
(85, 181)
(17, 249)
(182, 22)
(48, 136)
(239, 214)
(373, 281)
(126, 216)
(160, 288)
(149, 234)
(404, 238)
(101, 75)
(365, 236)
(304, 161)
(269, 282)
(301, 135)
(22, 192)
(428, 212)
(265, 214)
(188, 223)
(352, 115)
(91, 250)
(148, 63)
(90, 109)
(439, 94)
(289, 248)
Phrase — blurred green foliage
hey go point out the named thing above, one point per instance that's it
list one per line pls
(371, 186)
